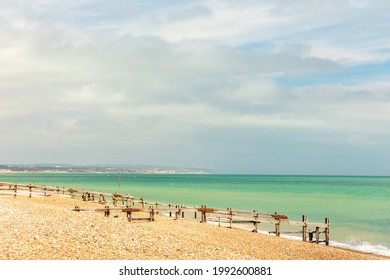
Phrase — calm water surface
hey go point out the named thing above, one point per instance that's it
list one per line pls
(359, 207)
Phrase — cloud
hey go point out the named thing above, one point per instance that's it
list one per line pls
(94, 83)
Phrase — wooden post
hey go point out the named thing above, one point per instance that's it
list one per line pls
(195, 213)
(255, 220)
(201, 215)
(204, 219)
(176, 213)
(317, 235)
(152, 214)
(277, 226)
(15, 190)
(107, 212)
(327, 222)
(142, 202)
(30, 191)
(182, 212)
(304, 228)
(115, 202)
(230, 217)
(44, 192)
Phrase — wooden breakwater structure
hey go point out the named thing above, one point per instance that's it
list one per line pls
(115, 203)
(85, 195)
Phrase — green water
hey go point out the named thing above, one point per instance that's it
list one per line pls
(359, 207)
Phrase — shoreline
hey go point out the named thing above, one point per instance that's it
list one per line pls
(44, 228)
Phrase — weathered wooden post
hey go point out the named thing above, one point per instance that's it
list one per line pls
(182, 211)
(15, 190)
(30, 187)
(195, 213)
(327, 222)
(44, 191)
(277, 228)
(304, 228)
(230, 217)
(176, 212)
(277, 225)
(255, 221)
(114, 199)
(152, 214)
(142, 202)
(170, 212)
(317, 235)
(204, 219)
(129, 216)
(107, 212)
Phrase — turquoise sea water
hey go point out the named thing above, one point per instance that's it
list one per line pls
(358, 207)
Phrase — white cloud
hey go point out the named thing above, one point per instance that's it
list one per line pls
(76, 76)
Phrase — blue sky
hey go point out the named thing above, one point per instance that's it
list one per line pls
(265, 87)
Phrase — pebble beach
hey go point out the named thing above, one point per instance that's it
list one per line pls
(45, 228)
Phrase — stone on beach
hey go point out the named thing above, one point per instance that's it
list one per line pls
(41, 228)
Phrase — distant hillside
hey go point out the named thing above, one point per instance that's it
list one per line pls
(107, 168)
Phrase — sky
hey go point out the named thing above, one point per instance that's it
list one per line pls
(236, 86)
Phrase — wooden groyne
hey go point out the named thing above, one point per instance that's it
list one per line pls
(115, 203)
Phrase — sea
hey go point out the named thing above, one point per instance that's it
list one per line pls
(358, 207)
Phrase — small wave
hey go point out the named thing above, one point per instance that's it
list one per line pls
(364, 247)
